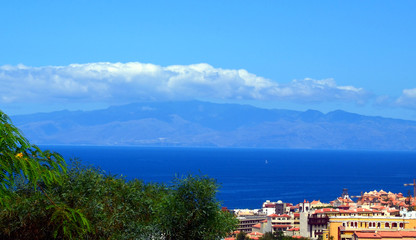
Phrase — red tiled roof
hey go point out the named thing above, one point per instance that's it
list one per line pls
(270, 205)
(393, 210)
(284, 215)
(296, 237)
(273, 215)
(255, 234)
(389, 234)
(408, 234)
(258, 225)
(325, 210)
(294, 229)
(282, 226)
(378, 207)
(296, 215)
(264, 221)
(344, 206)
(362, 210)
(367, 235)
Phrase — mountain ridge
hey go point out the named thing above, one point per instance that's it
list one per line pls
(204, 124)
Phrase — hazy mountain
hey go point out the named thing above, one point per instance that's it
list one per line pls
(197, 123)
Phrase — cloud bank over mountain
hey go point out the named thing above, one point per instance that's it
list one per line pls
(134, 81)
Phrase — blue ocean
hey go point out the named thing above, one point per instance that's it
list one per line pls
(248, 177)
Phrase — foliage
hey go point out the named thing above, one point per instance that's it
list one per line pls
(268, 236)
(242, 236)
(190, 211)
(119, 209)
(43, 199)
(24, 164)
(20, 160)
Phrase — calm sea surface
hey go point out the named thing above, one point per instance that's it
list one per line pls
(248, 177)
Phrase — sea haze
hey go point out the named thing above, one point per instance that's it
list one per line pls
(203, 124)
(248, 177)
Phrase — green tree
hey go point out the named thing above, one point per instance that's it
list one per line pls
(44, 199)
(268, 236)
(242, 236)
(191, 211)
(279, 235)
(21, 160)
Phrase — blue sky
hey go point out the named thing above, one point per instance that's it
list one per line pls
(358, 56)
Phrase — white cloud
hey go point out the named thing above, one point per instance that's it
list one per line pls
(128, 82)
(407, 99)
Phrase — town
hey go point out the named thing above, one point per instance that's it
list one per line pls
(374, 215)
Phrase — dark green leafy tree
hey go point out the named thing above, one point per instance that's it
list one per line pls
(268, 236)
(44, 199)
(242, 236)
(21, 162)
(191, 211)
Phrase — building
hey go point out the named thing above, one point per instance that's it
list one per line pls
(344, 227)
(246, 223)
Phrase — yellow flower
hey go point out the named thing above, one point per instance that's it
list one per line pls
(19, 155)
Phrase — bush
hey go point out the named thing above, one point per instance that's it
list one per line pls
(42, 199)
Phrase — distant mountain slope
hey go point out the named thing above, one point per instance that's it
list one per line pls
(197, 123)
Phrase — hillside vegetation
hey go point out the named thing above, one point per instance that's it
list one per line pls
(43, 198)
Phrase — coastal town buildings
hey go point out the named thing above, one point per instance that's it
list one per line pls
(375, 215)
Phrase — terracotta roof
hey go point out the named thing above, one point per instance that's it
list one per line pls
(377, 207)
(389, 234)
(270, 205)
(408, 234)
(393, 210)
(296, 215)
(284, 215)
(344, 206)
(367, 235)
(230, 238)
(273, 215)
(296, 237)
(264, 221)
(326, 210)
(294, 229)
(255, 234)
(282, 226)
(258, 225)
(362, 210)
